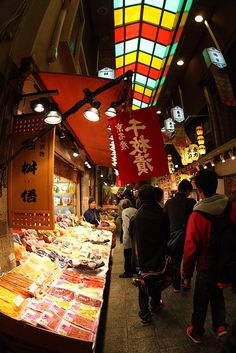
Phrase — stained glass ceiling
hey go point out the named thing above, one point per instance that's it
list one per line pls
(147, 33)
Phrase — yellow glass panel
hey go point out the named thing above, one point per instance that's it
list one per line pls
(168, 20)
(183, 19)
(153, 93)
(144, 58)
(130, 58)
(148, 92)
(169, 60)
(139, 89)
(132, 14)
(151, 15)
(118, 17)
(134, 107)
(119, 62)
(157, 63)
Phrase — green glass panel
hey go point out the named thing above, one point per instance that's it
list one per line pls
(146, 46)
(173, 5)
(173, 48)
(157, 3)
(151, 83)
(160, 51)
(163, 80)
(131, 45)
(132, 2)
(118, 4)
(188, 5)
(155, 102)
(167, 50)
(119, 49)
(140, 79)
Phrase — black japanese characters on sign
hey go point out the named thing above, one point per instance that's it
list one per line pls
(29, 195)
(29, 168)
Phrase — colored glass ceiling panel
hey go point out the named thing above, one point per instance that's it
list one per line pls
(147, 33)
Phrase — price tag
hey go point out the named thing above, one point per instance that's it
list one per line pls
(33, 287)
(33, 248)
(12, 257)
(18, 300)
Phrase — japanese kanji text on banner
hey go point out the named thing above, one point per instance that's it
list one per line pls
(139, 145)
(30, 191)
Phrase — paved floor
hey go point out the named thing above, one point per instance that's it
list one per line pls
(124, 332)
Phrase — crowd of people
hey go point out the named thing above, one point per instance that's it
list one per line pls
(180, 230)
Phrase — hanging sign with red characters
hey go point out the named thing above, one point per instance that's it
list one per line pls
(139, 145)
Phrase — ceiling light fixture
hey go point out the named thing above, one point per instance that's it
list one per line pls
(111, 112)
(75, 153)
(198, 18)
(158, 111)
(180, 62)
(222, 157)
(92, 113)
(231, 154)
(53, 117)
(39, 105)
(204, 166)
(212, 163)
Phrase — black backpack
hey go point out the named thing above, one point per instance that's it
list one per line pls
(221, 254)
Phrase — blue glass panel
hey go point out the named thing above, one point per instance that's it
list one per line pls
(118, 4)
(155, 3)
(131, 45)
(146, 46)
(160, 51)
(140, 79)
(119, 49)
(151, 83)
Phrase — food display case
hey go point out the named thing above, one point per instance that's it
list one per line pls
(64, 192)
(52, 301)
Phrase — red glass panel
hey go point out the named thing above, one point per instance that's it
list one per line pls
(132, 31)
(154, 74)
(138, 96)
(119, 34)
(119, 71)
(146, 99)
(166, 70)
(178, 34)
(143, 69)
(164, 36)
(130, 67)
(148, 31)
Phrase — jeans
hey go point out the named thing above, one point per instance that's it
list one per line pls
(176, 259)
(153, 287)
(128, 261)
(205, 292)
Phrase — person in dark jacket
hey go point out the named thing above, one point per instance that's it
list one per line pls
(151, 232)
(195, 254)
(178, 210)
(92, 214)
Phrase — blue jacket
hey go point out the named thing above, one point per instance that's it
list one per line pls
(92, 216)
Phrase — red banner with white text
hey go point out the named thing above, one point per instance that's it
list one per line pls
(139, 145)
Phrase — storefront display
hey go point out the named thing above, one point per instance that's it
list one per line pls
(59, 283)
(64, 192)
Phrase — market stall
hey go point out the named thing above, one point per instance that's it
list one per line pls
(53, 299)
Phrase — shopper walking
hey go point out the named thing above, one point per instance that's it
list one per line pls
(178, 210)
(151, 230)
(196, 252)
(128, 212)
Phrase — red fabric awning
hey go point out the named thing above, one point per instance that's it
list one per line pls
(94, 136)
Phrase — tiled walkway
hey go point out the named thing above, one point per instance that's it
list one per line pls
(124, 332)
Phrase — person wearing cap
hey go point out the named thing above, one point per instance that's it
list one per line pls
(92, 214)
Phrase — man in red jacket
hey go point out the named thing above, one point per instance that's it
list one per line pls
(195, 252)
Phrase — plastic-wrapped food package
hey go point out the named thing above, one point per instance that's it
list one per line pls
(68, 329)
(84, 322)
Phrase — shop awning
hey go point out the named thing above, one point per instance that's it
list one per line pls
(94, 136)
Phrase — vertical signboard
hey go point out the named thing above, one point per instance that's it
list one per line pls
(30, 178)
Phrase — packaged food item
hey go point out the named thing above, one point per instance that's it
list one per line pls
(63, 293)
(76, 319)
(97, 303)
(68, 329)
(48, 319)
(31, 316)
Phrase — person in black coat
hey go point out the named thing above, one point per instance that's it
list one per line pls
(178, 210)
(92, 214)
(150, 229)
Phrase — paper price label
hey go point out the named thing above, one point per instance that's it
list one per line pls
(18, 300)
(33, 287)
